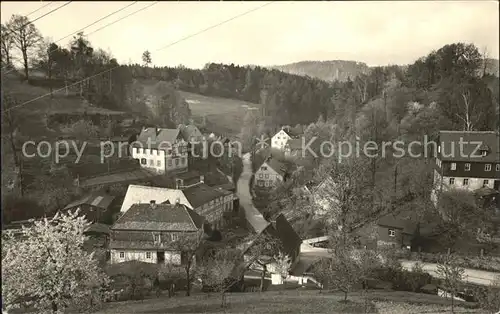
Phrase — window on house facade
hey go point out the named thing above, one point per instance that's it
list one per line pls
(260, 175)
(267, 183)
(148, 255)
(122, 254)
(392, 232)
(170, 162)
(177, 162)
(174, 237)
(497, 168)
(485, 183)
(267, 176)
(466, 181)
(157, 238)
(143, 161)
(487, 167)
(453, 166)
(151, 162)
(467, 167)
(158, 163)
(263, 168)
(452, 180)
(484, 152)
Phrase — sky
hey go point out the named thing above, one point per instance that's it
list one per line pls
(376, 33)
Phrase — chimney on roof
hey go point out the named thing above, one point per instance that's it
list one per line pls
(179, 183)
(177, 201)
(202, 178)
(153, 204)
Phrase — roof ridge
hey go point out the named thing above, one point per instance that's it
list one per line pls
(148, 187)
(188, 211)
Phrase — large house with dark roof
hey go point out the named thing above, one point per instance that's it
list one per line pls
(146, 232)
(209, 202)
(466, 160)
(161, 150)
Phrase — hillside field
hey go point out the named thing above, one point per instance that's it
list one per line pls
(224, 116)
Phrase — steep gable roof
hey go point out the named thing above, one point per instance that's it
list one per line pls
(276, 165)
(187, 131)
(160, 137)
(159, 217)
(100, 200)
(450, 146)
(145, 194)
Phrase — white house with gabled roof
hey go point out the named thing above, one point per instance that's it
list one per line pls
(280, 139)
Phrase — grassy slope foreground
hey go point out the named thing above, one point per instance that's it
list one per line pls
(291, 301)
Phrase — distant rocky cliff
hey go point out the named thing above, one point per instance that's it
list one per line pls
(326, 70)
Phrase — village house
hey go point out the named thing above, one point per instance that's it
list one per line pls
(279, 140)
(270, 173)
(97, 207)
(293, 148)
(395, 231)
(190, 133)
(212, 203)
(146, 232)
(161, 150)
(287, 239)
(466, 168)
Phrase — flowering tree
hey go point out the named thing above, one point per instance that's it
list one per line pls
(47, 268)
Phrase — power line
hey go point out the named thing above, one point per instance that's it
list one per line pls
(43, 15)
(109, 24)
(166, 46)
(43, 6)
(93, 23)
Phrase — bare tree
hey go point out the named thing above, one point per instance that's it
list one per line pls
(222, 271)
(486, 60)
(25, 36)
(10, 129)
(452, 274)
(188, 245)
(7, 42)
(47, 53)
(468, 111)
(262, 254)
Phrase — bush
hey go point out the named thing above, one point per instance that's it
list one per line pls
(403, 280)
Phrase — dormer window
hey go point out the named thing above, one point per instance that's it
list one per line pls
(483, 152)
(467, 167)
(487, 167)
(453, 166)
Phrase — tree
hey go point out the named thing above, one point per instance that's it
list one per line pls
(264, 251)
(25, 36)
(7, 43)
(146, 58)
(48, 269)
(452, 273)
(46, 58)
(222, 271)
(462, 218)
(489, 297)
(189, 245)
(10, 127)
(341, 272)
